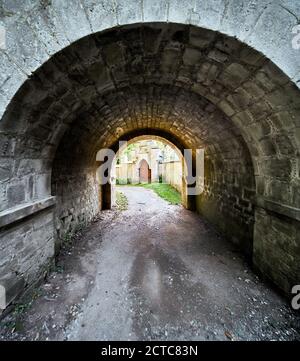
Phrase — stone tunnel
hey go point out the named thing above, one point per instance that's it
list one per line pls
(79, 76)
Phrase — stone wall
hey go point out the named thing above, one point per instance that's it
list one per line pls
(26, 247)
(277, 242)
(125, 172)
(228, 199)
(172, 174)
(77, 200)
(204, 88)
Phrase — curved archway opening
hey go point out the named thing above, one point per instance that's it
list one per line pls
(176, 174)
(199, 89)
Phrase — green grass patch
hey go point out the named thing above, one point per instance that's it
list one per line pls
(165, 191)
(121, 201)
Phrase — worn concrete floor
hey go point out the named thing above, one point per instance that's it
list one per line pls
(153, 272)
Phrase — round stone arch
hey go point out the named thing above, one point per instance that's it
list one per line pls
(240, 107)
(36, 30)
(107, 191)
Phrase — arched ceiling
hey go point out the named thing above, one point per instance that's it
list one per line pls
(85, 78)
(37, 29)
(204, 88)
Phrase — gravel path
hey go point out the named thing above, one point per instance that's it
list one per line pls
(153, 271)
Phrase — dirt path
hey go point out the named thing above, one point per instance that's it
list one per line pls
(154, 271)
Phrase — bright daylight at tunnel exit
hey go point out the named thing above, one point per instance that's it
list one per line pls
(149, 172)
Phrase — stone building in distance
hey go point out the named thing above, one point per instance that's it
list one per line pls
(149, 161)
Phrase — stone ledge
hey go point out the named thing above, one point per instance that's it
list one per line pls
(22, 211)
(282, 209)
(13, 287)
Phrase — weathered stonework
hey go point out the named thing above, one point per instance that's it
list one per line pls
(62, 100)
(77, 201)
(277, 242)
(27, 249)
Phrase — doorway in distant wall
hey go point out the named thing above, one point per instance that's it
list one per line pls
(153, 162)
(144, 172)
